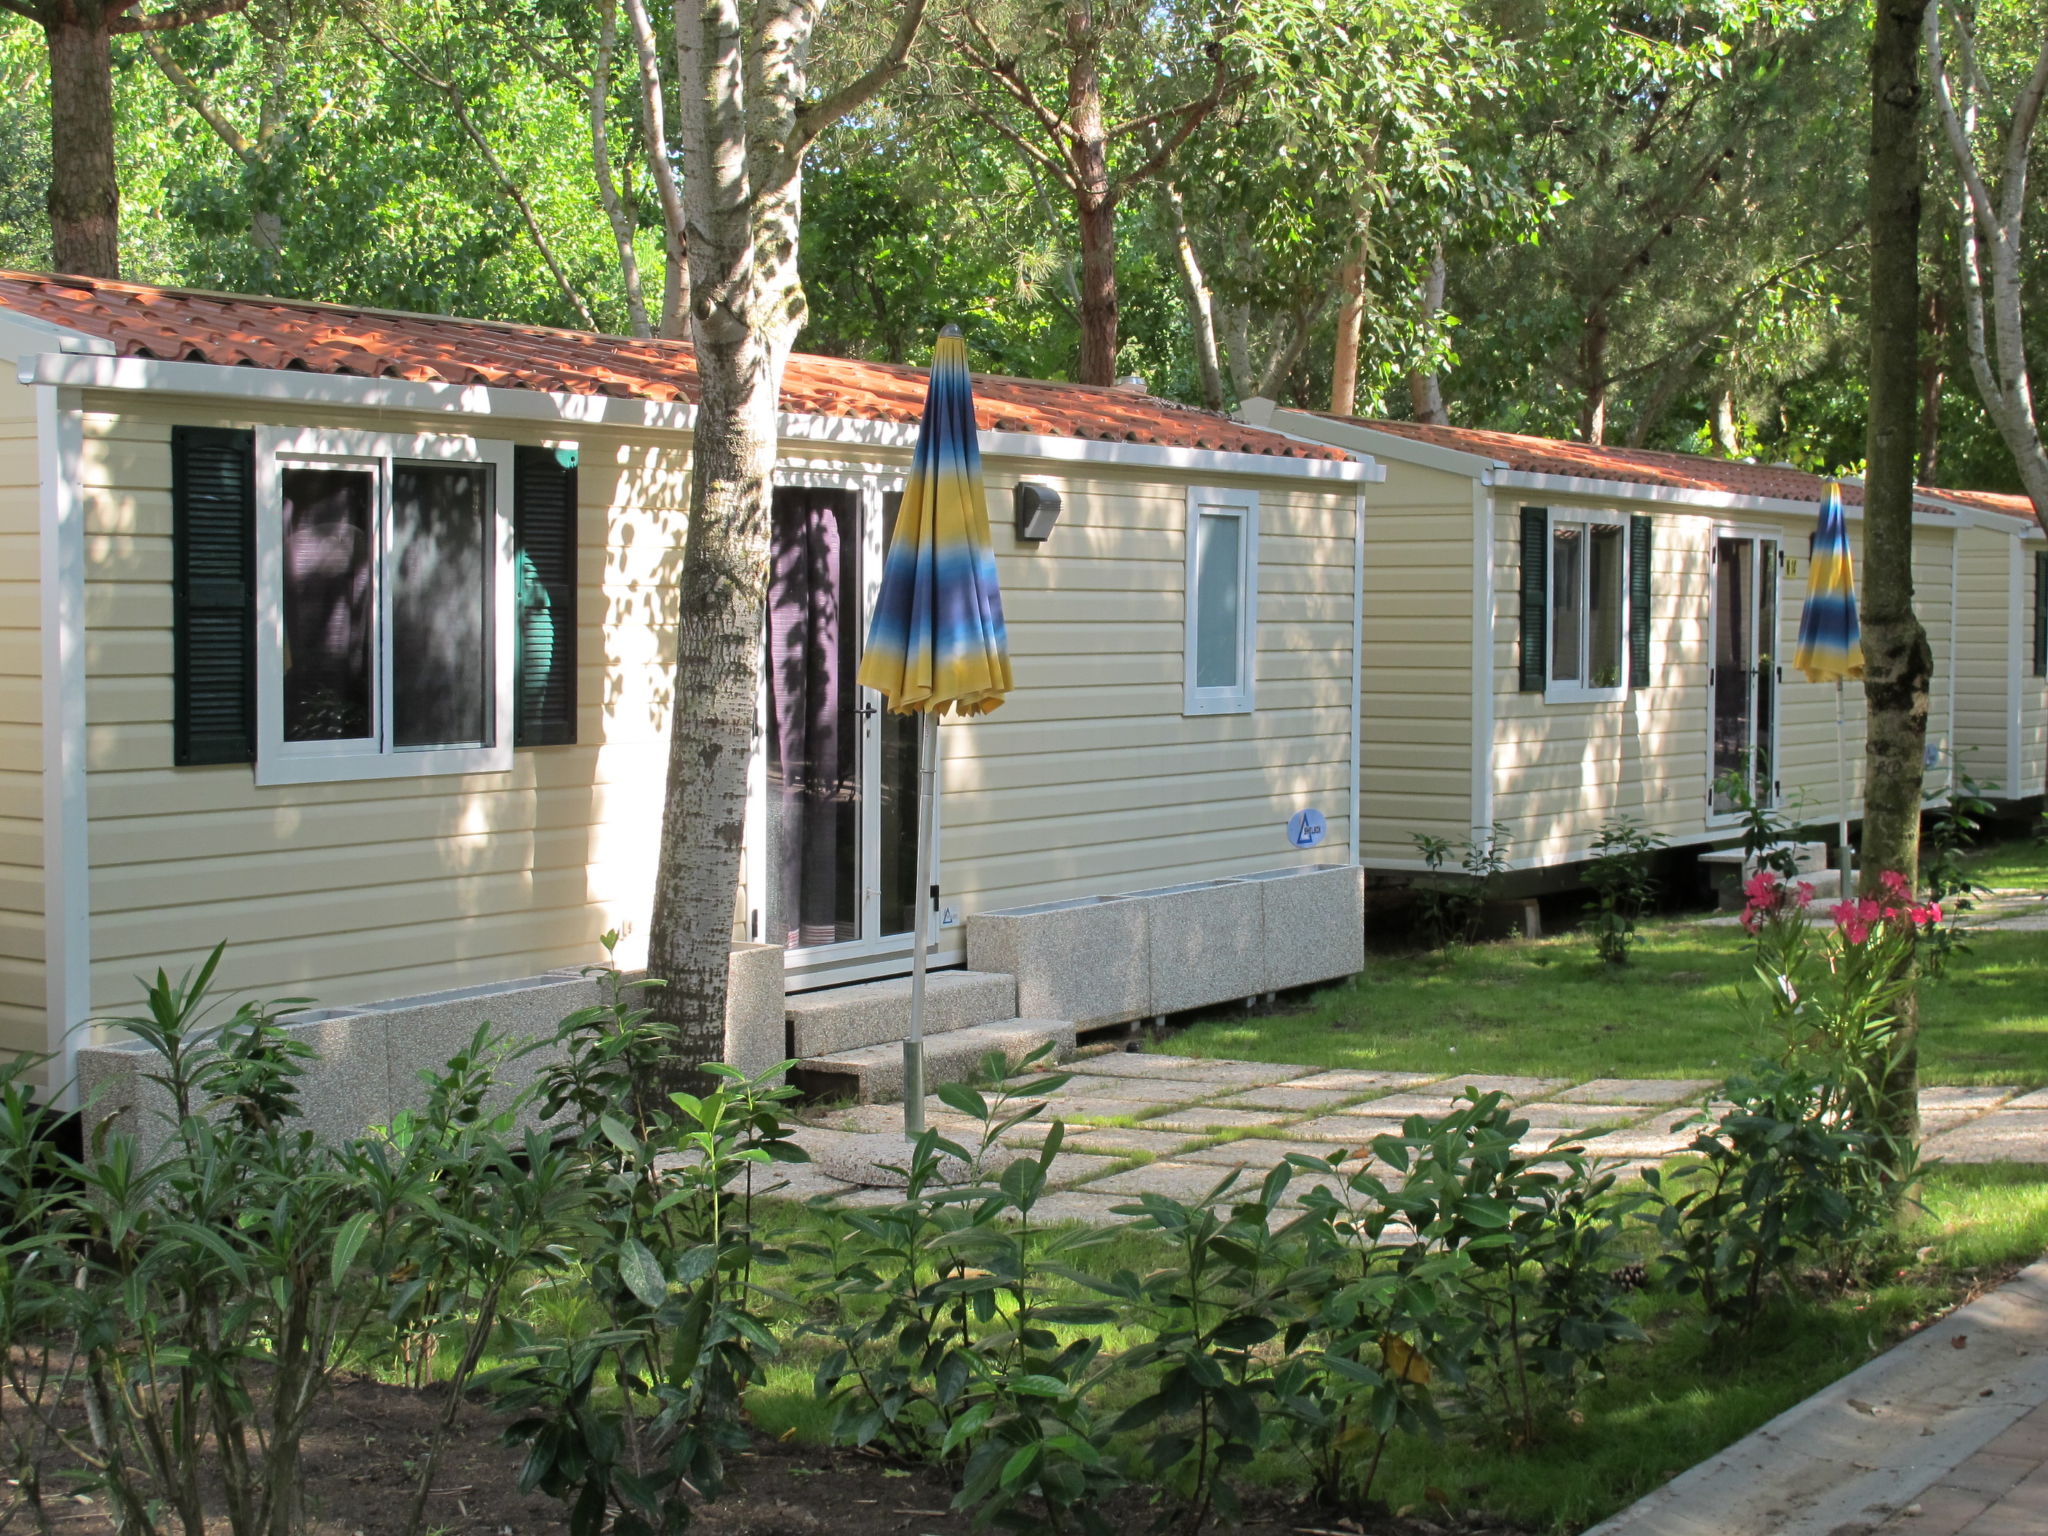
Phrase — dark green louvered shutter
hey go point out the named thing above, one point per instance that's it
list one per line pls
(544, 545)
(1638, 602)
(213, 595)
(2041, 615)
(1535, 597)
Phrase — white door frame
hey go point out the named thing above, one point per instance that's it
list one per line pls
(872, 954)
(1756, 536)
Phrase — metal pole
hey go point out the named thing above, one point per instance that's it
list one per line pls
(1842, 794)
(920, 926)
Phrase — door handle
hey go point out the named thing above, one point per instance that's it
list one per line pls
(867, 711)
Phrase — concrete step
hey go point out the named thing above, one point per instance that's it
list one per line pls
(878, 1012)
(873, 1074)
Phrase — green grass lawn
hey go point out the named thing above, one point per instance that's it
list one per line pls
(1546, 1007)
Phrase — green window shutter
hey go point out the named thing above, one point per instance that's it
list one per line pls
(1639, 540)
(2041, 615)
(544, 555)
(1535, 598)
(213, 595)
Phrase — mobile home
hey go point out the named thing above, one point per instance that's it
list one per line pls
(347, 636)
(1558, 635)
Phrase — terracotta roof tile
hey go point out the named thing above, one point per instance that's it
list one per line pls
(1651, 466)
(182, 325)
(1999, 502)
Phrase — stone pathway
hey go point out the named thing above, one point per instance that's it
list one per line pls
(1944, 1435)
(1175, 1125)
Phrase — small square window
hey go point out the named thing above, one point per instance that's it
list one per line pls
(1588, 606)
(384, 606)
(1222, 601)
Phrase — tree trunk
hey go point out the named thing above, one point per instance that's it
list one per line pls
(1425, 390)
(1898, 664)
(1933, 374)
(1350, 325)
(1201, 303)
(1727, 436)
(85, 191)
(1593, 379)
(725, 555)
(1094, 203)
(616, 213)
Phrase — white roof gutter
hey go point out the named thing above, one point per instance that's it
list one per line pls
(281, 386)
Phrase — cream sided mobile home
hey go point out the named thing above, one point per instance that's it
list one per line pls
(346, 636)
(2001, 644)
(1558, 635)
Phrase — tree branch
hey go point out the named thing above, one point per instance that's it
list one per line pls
(179, 16)
(988, 59)
(615, 211)
(23, 10)
(814, 119)
(195, 98)
(1056, 168)
(1193, 115)
(667, 189)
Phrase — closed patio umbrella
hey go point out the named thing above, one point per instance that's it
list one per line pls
(937, 641)
(1831, 637)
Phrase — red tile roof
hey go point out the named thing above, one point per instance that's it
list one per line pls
(1999, 502)
(184, 325)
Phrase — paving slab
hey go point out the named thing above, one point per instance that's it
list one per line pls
(1855, 1456)
(1636, 1090)
(1211, 1117)
(1986, 1097)
(1296, 1097)
(1152, 1066)
(1575, 1116)
(1350, 1129)
(1398, 1106)
(1353, 1080)
(1072, 1168)
(2038, 1099)
(1115, 1108)
(1078, 1206)
(1177, 1181)
(1259, 1152)
(1514, 1087)
(1114, 1139)
(2006, 1135)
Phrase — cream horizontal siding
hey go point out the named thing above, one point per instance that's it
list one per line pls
(357, 891)
(1415, 703)
(1090, 779)
(1562, 770)
(21, 736)
(1985, 631)
(2032, 715)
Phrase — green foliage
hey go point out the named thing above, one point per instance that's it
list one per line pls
(1623, 887)
(1948, 837)
(1780, 1177)
(1451, 908)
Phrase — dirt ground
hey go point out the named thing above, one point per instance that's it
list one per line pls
(365, 1435)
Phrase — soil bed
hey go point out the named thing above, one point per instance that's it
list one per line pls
(365, 1435)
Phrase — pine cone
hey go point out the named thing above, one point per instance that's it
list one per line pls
(1631, 1277)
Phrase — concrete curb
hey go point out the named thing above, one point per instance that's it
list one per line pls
(1855, 1453)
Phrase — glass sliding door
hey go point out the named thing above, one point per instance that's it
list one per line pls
(841, 812)
(1743, 741)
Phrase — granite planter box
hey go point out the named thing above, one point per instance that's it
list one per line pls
(370, 1059)
(1084, 961)
(1313, 921)
(1203, 943)
(1103, 960)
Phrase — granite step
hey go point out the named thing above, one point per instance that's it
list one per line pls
(873, 1074)
(878, 1012)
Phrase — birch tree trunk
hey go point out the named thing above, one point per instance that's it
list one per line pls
(1425, 390)
(1898, 664)
(1201, 303)
(1350, 325)
(1993, 234)
(745, 124)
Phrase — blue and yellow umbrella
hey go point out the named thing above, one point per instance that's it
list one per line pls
(1830, 646)
(1830, 634)
(936, 641)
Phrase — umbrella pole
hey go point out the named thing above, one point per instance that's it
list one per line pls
(1842, 795)
(920, 926)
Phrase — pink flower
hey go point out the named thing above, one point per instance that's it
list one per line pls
(1927, 915)
(1805, 894)
(1854, 918)
(1894, 884)
(1761, 888)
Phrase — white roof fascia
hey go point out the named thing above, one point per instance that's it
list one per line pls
(1312, 428)
(280, 386)
(1680, 496)
(24, 335)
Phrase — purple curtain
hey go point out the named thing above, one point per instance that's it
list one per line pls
(813, 732)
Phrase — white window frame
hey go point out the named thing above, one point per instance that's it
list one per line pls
(1239, 700)
(325, 762)
(1582, 692)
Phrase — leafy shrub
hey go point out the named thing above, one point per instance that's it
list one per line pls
(1779, 1178)
(1451, 907)
(1623, 887)
(1950, 833)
